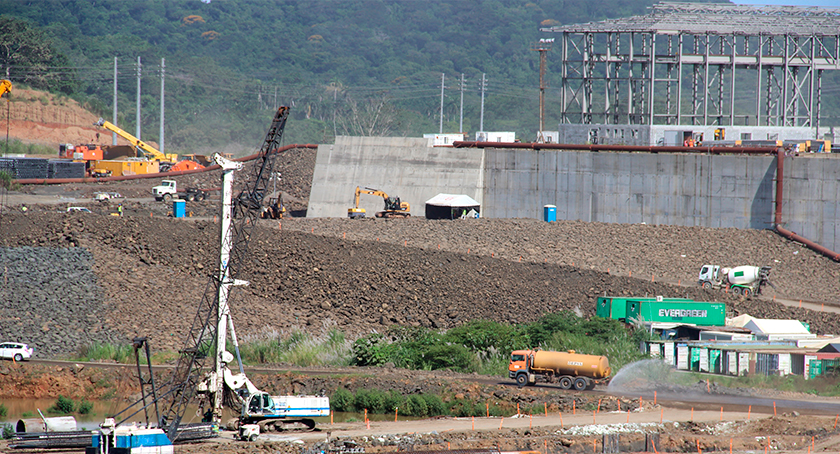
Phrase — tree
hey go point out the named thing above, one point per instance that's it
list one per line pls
(373, 116)
(28, 52)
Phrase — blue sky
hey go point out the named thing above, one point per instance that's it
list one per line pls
(834, 3)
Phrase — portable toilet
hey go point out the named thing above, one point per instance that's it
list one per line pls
(179, 208)
(550, 213)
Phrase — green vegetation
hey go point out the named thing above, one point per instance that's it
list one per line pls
(15, 146)
(297, 348)
(368, 67)
(483, 346)
(122, 353)
(8, 431)
(63, 406)
(377, 401)
(4, 410)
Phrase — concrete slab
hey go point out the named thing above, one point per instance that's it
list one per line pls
(409, 168)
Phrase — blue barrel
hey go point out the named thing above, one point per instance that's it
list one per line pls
(179, 208)
(550, 213)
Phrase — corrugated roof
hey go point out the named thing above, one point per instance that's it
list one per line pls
(720, 19)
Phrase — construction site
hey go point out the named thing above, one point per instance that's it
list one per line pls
(108, 244)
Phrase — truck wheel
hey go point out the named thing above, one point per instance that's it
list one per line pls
(167, 197)
(580, 384)
(252, 437)
(199, 197)
(748, 292)
(736, 290)
(565, 382)
(522, 380)
(190, 197)
(707, 285)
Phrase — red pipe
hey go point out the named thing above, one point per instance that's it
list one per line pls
(590, 147)
(152, 175)
(780, 171)
(780, 177)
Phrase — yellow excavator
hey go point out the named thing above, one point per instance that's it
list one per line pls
(394, 208)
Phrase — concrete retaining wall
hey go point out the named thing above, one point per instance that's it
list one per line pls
(675, 189)
(409, 168)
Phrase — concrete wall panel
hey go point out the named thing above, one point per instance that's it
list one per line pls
(406, 167)
(676, 189)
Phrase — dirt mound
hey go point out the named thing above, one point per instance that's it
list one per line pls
(153, 270)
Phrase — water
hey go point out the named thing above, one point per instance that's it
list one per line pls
(645, 375)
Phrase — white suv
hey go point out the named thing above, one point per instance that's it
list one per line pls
(16, 351)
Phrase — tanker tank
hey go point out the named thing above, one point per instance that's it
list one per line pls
(571, 363)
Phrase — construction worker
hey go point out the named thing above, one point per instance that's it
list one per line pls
(120, 209)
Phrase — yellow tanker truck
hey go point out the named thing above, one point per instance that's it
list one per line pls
(569, 369)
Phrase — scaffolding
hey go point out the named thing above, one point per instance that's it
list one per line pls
(700, 64)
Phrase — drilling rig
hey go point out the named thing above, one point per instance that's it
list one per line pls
(212, 326)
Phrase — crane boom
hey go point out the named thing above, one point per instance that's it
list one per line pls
(149, 150)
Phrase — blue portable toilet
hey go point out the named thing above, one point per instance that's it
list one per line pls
(550, 213)
(179, 208)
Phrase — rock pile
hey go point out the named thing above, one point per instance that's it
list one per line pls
(365, 275)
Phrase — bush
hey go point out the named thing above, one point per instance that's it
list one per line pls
(434, 404)
(63, 405)
(372, 400)
(8, 431)
(85, 407)
(452, 356)
(416, 405)
(341, 400)
(3, 411)
(484, 335)
(393, 400)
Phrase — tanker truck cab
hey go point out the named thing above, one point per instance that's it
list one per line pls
(518, 368)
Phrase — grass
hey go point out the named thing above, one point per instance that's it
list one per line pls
(330, 348)
(122, 353)
(15, 146)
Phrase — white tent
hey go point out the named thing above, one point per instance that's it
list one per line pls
(450, 206)
(768, 329)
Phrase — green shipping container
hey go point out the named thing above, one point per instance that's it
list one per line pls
(615, 307)
(697, 313)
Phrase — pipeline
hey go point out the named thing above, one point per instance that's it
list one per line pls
(153, 175)
(626, 148)
(780, 170)
(780, 177)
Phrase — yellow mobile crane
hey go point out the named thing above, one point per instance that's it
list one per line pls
(166, 160)
(394, 208)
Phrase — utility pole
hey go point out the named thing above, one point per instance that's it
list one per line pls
(162, 71)
(442, 78)
(483, 87)
(113, 134)
(137, 129)
(461, 123)
(543, 46)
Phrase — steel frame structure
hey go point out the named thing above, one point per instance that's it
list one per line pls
(700, 64)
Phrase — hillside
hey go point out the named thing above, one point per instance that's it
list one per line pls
(359, 67)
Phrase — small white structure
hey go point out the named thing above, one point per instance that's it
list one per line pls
(766, 329)
(490, 136)
(445, 140)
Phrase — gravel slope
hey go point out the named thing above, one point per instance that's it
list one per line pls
(364, 275)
